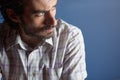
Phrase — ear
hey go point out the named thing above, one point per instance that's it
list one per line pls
(12, 15)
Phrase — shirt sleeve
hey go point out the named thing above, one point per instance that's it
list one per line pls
(74, 62)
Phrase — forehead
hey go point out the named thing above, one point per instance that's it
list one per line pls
(40, 4)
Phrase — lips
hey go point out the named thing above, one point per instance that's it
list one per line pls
(49, 30)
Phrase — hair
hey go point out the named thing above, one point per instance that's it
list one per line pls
(16, 5)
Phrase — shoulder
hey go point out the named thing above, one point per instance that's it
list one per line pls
(4, 29)
(69, 29)
(2, 33)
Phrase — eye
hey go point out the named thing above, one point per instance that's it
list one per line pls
(40, 14)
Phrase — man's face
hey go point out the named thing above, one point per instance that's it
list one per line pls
(38, 19)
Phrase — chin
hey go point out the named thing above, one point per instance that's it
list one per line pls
(48, 35)
(45, 36)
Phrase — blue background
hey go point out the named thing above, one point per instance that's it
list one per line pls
(99, 21)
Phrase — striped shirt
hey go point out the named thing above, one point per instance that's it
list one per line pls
(61, 57)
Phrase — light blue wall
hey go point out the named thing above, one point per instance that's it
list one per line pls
(99, 21)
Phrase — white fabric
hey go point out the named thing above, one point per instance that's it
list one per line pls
(62, 57)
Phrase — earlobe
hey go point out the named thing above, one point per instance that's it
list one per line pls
(12, 15)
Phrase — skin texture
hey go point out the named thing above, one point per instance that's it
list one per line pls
(38, 21)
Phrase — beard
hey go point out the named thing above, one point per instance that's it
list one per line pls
(39, 33)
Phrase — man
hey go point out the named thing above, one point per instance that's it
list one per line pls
(36, 46)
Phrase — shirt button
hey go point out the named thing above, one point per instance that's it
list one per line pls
(33, 78)
(33, 74)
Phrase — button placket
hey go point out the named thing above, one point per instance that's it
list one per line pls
(34, 60)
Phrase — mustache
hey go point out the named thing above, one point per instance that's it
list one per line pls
(47, 27)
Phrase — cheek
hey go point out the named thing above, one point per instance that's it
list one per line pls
(26, 20)
(33, 22)
(37, 21)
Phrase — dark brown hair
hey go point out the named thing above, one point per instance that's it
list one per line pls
(16, 5)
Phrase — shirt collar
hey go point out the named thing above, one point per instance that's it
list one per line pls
(49, 41)
(20, 42)
(24, 46)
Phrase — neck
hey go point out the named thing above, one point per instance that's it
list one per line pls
(31, 41)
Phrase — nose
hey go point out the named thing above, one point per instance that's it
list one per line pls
(50, 18)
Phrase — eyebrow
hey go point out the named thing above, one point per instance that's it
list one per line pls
(41, 11)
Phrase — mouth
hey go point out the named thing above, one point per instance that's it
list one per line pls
(48, 29)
